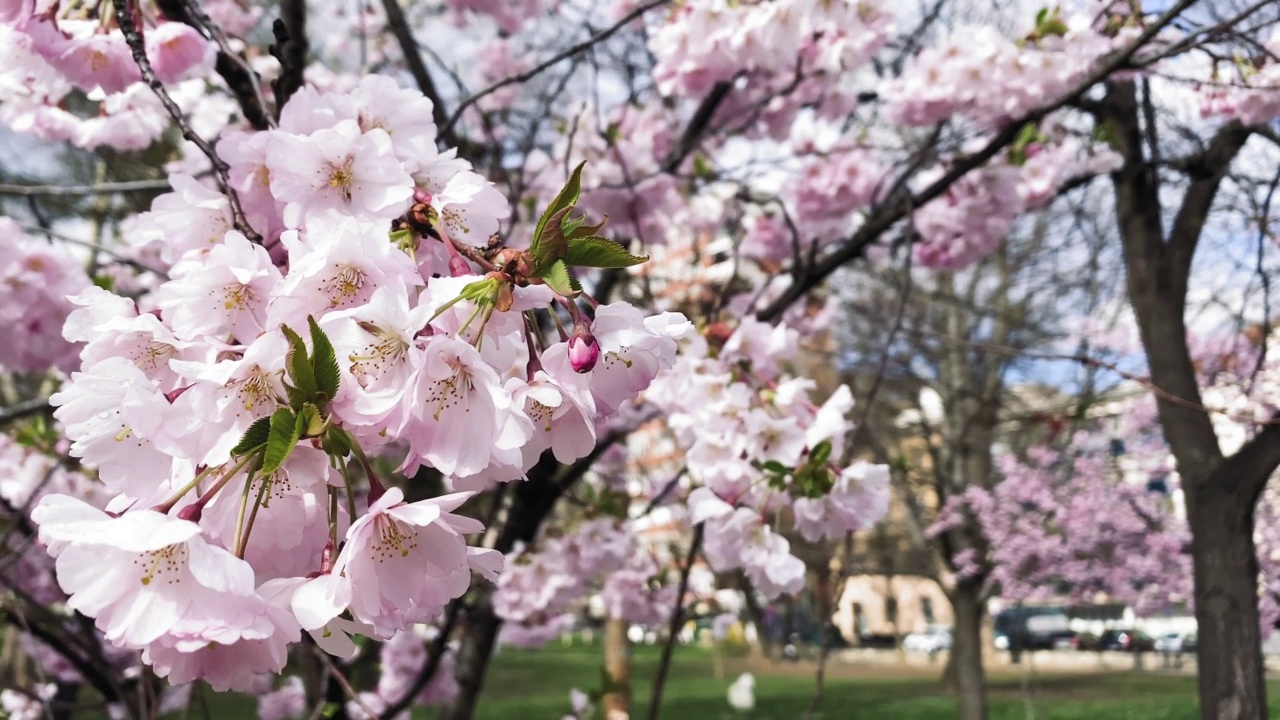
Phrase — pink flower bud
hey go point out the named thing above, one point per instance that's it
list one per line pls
(584, 351)
(422, 196)
(458, 266)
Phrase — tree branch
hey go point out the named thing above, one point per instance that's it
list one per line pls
(124, 17)
(69, 190)
(240, 78)
(673, 627)
(536, 70)
(413, 58)
(885, 216)
(290, 31)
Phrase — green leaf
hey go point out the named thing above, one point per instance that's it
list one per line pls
(598, 252)
(566, 199)
(324, 362)
(581, 229)
(310, 421)
(297, 398)
(285, 431)
(254, 438)
(776, 467)
(336, 442)
(558, 278)
(820, 453)
(552, 244)
(1042, 16)
(298, 365)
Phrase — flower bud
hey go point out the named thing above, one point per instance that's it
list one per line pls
(458, 266)
(584, 351)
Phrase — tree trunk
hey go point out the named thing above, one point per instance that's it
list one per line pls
(964, 672)
(480, 634)
(1231, 670)
(616, 700)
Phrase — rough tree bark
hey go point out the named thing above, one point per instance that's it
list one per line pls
(531, 503)
(1221, 491)
(616, 698)
(964, 665)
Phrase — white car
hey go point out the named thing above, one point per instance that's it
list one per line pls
(1169, 642)
(935, 640)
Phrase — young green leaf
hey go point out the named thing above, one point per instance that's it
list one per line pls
(598, 252)
(298, 365)
(324, 362)
(285, 431)
(254, 438)
(820, 453)
(552, 244)
(565, 200)
(337, 442)
(558, 278)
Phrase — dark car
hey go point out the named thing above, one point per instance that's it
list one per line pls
(1033, 628)
(1127, 641)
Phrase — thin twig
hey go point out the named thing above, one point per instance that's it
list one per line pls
(417, 68)
(336, 673)
(428, 671)
(673, 628)
(65, 190)
(24, 409)
(536, 70)
(124, 17)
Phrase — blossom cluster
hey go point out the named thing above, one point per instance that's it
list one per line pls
(540, 589)
(1081, 527)
(228, 441)
(55, 54)
(984, 76)
(780, 55)
(754, 443)
(1248, 90)
(35, 280)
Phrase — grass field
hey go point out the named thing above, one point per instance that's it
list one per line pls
(535, 684)
(525, 685)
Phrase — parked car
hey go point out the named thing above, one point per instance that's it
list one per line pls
(934, 640)
(1127, 641)
(1173, 642)
(1190, 643)
(1088, 641)
(1032, 628)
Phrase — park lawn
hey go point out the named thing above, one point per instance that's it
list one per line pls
(534, 684)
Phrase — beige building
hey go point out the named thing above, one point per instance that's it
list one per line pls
(890, 605)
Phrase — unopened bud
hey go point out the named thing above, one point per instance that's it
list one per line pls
(584, 351)
(458, 266)
(422, 196)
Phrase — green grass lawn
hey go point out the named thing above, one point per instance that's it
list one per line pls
(529, 684)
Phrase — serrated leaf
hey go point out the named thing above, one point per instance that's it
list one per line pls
(296, 397)
(310, 421)
(558, 278)
(324, 362)
(336, 442)
(582, 230)
(598, 252)
(254, 438)
(552, 244)
(285, 431)
(564, 200)
(298, 365)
